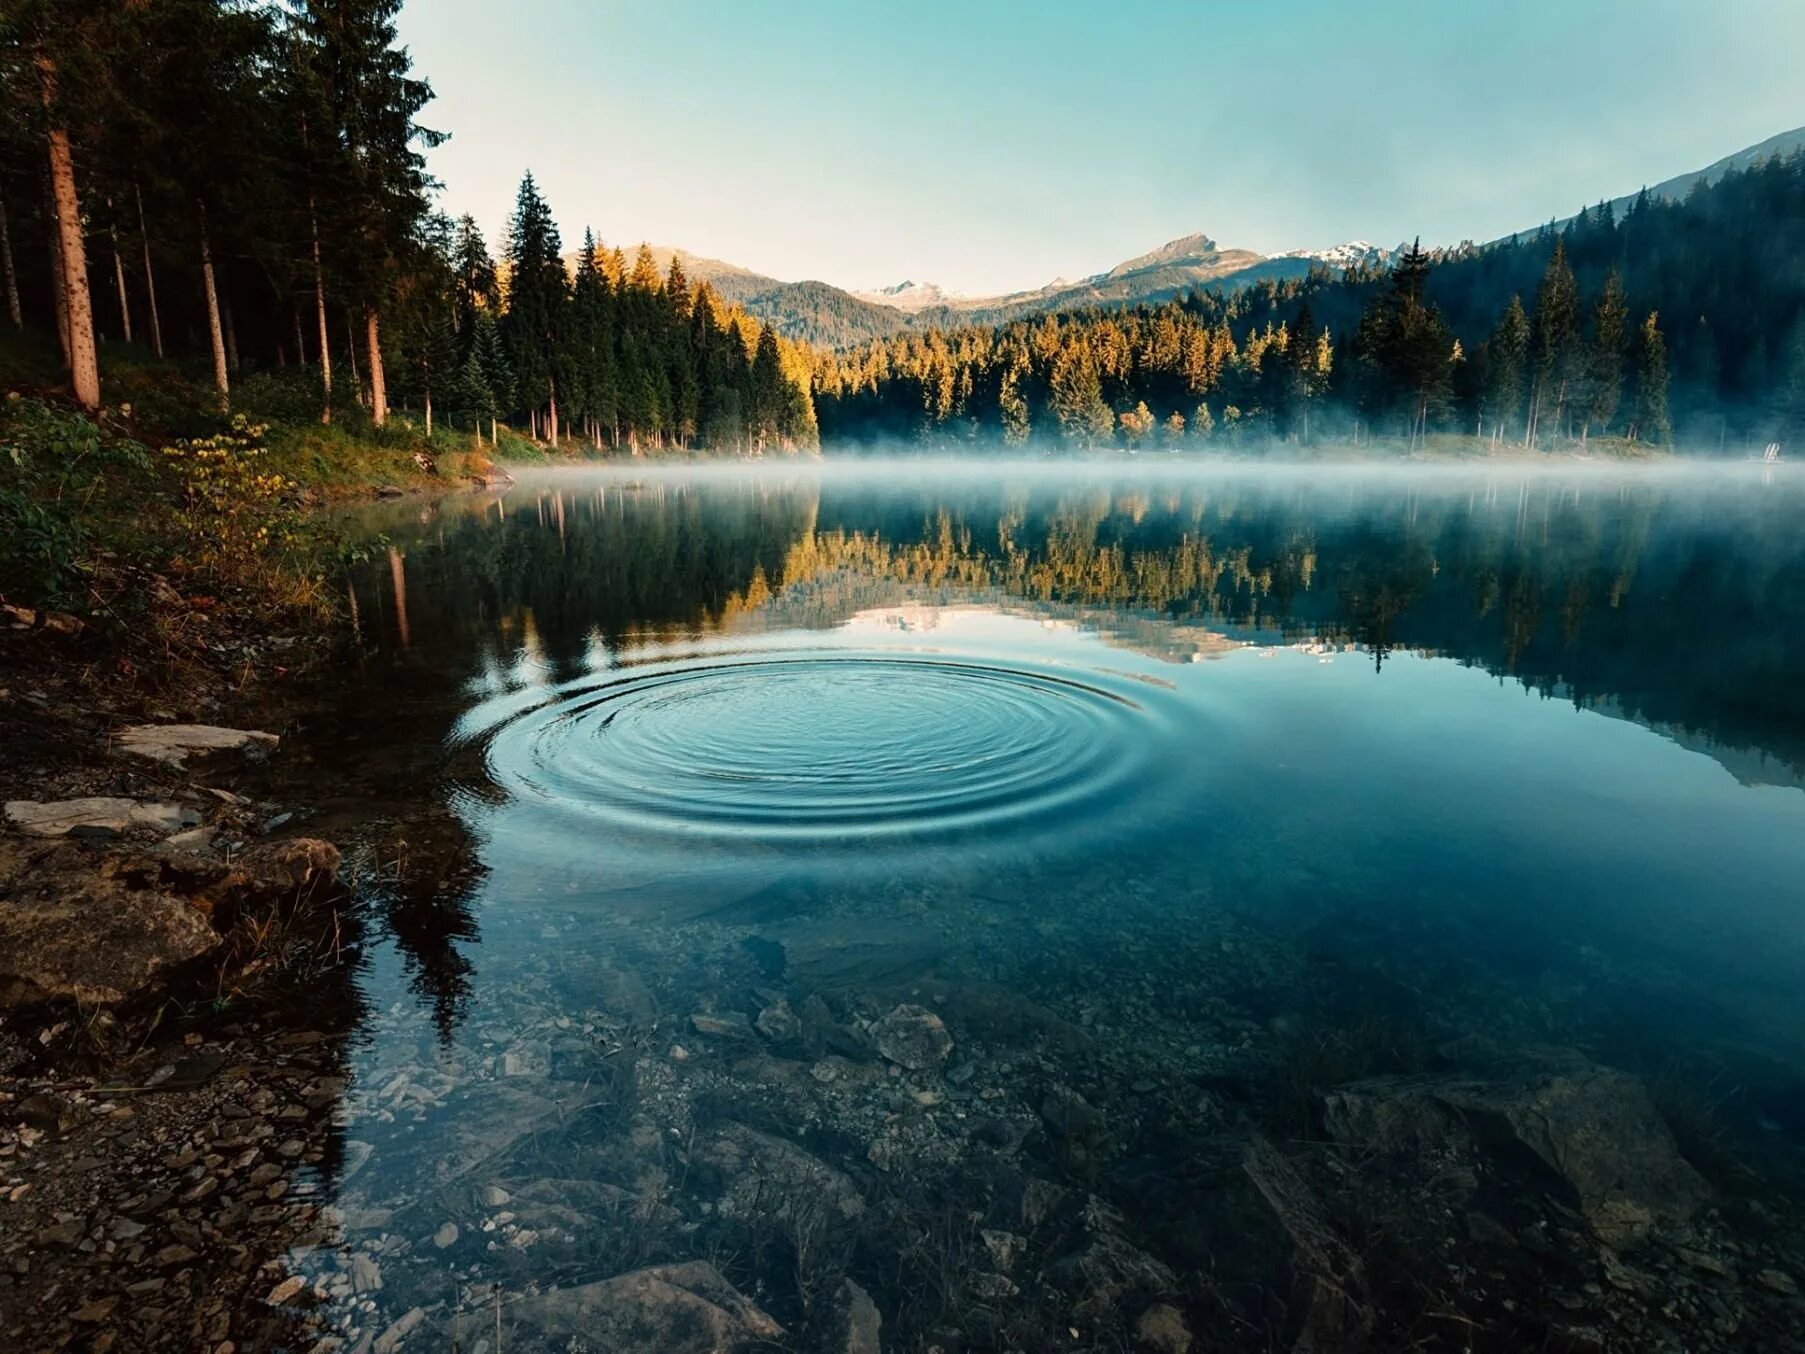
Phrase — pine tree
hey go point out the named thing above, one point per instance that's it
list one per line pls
(1507, 356)
(536, 300)
(1604, 361)
(1651, 421)
(1554, 347)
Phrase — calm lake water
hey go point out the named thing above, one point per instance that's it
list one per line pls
(888, 873)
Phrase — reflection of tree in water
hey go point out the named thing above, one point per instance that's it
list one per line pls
(1658, 603)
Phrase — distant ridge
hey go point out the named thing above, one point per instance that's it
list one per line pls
(821, 313)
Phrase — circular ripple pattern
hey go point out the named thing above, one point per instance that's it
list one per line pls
(841, 746)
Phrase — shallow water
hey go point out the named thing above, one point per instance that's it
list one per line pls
(1191, 795)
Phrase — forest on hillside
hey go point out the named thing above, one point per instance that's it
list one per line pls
(243, 188)
(1678, 323)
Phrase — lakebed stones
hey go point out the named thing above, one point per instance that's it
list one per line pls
(853, 1324)
(913, 1037)
(1593, 1127)
(770, 1176)
(98, 815)
(173, 744)
(667, 1309)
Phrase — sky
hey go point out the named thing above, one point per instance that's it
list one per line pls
(991, 145)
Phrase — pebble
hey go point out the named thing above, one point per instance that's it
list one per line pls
(287, 1289)
(446, 1236)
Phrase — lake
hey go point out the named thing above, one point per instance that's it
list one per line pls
(1060, 909)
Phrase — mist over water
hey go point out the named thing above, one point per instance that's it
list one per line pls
(1503, 758)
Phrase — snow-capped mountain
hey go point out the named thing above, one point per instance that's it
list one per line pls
(910, 296)
(1348, 255)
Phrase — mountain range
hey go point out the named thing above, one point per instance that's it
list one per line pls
(820, 313)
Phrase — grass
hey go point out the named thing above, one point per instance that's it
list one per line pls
(163, 490)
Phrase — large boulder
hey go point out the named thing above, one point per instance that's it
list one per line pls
(99, 936)
(1594, 1128)
(667, 1309)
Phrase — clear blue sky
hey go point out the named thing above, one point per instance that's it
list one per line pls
(992, 146)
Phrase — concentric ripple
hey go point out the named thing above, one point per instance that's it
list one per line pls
(816, 747)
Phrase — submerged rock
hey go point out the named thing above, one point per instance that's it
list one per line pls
(772, 1176)
(1595, 1128)
(104, 814)
(722, 1025)
(853, 1324)
(913, 1037)
(1162, 1329)
(172, 744)
(667, 1309)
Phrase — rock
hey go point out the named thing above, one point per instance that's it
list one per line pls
(59, 817)
(913, 1037)
(172, 744)
(390, 1340)
(1005, 1248)
(285, 1291)
(194, 839)
(446, 1236)
(668, 1309)
(26, 618)
(1162, 1329)
(298, 863)
(724, 1025)
(1778, 1281)
(1329, 1294)
(1107, 1269)
(74, 929)
(1595, 1128)
(773, 1177)
(494, 1196)
(779, 1023)
(366, 1274)
(853, 1323)
(992, 1287)
(95, 1312)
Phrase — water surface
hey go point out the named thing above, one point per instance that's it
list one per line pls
(1189, 795)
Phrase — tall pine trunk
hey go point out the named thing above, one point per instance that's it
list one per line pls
(225, 310)
(319, 303)
(150, 277)
(12, 279)
(294, 312)
(357, 384)
(220, 380)
(84, 364)
(379, 395)
(59, 296)
(125, 304)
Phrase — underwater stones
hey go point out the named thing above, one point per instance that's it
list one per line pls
(1595, 1128)
(772, 1176)
(1162, 1329)
(446, 1237)
(1106, 1269)
(722, 1025)
(173, 744)
(853, 1324)
(667, 1309)
(108, 815)
(913, 1037)
(778, 1023)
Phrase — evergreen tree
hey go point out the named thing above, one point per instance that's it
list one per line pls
(1554, 347)
(1507, 356)
(1651, 421)
(1604, 368)
(536, 299)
